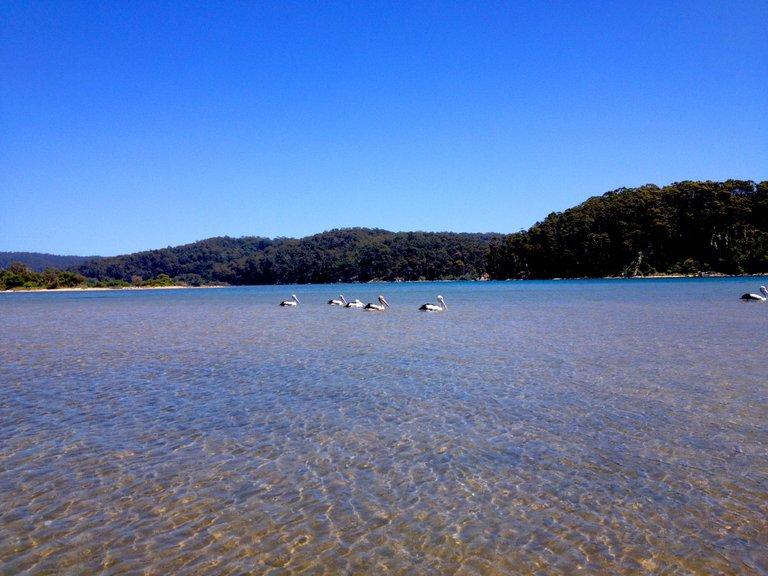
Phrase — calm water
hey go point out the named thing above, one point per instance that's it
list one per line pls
(600, 427)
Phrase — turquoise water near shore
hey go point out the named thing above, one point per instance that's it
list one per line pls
(554, 427)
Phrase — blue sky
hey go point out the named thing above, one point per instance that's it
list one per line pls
(132, 125)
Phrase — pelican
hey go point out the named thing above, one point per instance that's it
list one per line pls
(759, 297)
(442, 307)
(380, 307)
(340, 302)
(292, 302)
(354, 304)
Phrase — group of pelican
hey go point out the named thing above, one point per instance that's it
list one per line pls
(758, 297)
(380, 307)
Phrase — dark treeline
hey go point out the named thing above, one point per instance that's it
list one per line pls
(345, 255)
(684, 228)
(38, 262)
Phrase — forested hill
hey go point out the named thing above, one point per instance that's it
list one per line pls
(687, 227)
(194, 263)
(38, 261)
(344, 255)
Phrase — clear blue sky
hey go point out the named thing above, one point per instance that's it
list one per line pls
(132, 125)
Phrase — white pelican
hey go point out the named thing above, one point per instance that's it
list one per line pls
(758, 297)
(442, 307)
(380, 307)
(292, 302)
(340, 302)
(354, 304)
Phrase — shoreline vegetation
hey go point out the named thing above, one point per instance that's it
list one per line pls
(103, 289)
(686, 229)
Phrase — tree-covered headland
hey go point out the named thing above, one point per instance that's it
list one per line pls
(685, 228)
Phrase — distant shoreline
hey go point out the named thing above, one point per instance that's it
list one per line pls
(103, 289)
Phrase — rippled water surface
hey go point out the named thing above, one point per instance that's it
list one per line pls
(600, 427)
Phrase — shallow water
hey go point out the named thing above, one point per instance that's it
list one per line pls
(614, 427)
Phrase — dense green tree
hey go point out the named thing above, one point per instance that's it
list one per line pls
(19, 275)
(160, 280)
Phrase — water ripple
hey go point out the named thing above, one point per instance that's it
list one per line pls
(215, 433)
